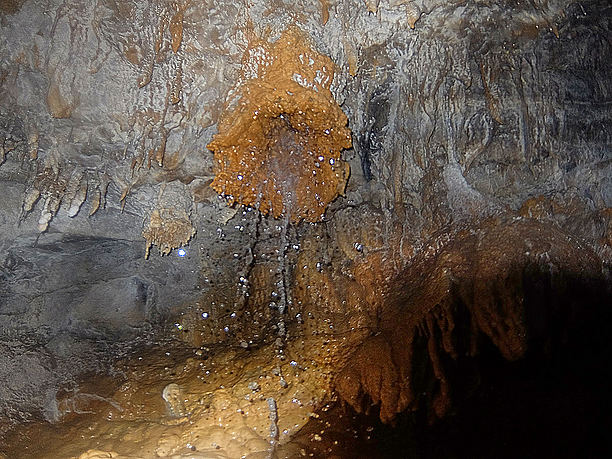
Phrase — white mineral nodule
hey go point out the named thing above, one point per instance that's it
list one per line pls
(173, 396)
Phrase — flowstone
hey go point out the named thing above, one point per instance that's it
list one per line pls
(281, 134)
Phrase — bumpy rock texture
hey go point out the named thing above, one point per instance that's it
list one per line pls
(488, 117)
(282, 133)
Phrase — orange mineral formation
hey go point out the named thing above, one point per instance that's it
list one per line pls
(481, 286)
(281, 134)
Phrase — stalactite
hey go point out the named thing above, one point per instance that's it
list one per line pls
(51, 187)
(30, 200)
(76, 192)
(95, 202)
(168, 229)
(476, 286)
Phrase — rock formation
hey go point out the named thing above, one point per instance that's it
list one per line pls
(476, 212)
(280, 138)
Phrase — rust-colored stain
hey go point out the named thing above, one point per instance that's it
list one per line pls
(281, 134)
(10, 6)
(488, 77)
(58, 104)
(324, 11)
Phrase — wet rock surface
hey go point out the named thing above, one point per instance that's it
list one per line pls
(480, 142)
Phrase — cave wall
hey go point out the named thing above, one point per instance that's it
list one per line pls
(481, 107)
(458, 111)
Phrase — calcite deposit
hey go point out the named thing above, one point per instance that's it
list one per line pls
(167, 229)
(477, 286)
(203, 404)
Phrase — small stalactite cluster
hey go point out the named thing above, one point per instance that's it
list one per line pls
(55, 189)
(146, 155)
(168, 229)
(281, 134)
(443, 307)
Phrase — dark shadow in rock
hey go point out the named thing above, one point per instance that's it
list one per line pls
(117, 307)
(549, 404)
(376, 119)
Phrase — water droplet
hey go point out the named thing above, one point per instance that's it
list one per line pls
(254, 386)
